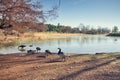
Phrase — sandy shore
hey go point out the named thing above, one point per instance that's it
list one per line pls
(76, 67)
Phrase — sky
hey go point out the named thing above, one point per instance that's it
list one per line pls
(105, 13)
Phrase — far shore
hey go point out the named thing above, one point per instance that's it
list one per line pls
(32, 36)
(114, 34)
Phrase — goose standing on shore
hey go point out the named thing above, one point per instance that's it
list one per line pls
(61, 54)
(47, 52)
(38, 49)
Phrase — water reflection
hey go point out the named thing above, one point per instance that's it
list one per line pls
(75, 44)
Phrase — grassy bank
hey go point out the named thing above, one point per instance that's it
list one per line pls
(114, 34)
(31, 36)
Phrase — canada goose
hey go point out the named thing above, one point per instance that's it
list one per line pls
(31, 51)
(38, 49)
(59, 52)
(47, 51)
(21, 47)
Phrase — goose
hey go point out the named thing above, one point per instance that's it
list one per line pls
(61, 54)
(38, 49)
(47, 51)
(21, 47)
(31, 51)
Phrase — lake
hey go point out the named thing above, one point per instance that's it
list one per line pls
(75, 44)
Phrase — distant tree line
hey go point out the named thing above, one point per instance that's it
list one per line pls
(62, 29)
(80, 29)
(40, 27)
(91, 30)
(87, 29)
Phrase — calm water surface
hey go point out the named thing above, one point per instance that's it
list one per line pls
(76, 44)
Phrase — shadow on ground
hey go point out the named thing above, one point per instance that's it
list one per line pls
(75, 74)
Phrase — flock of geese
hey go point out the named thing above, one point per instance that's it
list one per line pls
(22, 48)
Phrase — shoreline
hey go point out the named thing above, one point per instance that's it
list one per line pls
(67, 54)
(113, 34)
(76, 67)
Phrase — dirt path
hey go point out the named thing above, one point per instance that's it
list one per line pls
(76, 67)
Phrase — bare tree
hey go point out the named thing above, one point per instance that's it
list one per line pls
(22, 11)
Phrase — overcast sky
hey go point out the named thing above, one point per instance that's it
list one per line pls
(105, 13)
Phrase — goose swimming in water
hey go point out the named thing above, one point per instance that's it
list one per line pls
(21, 47)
